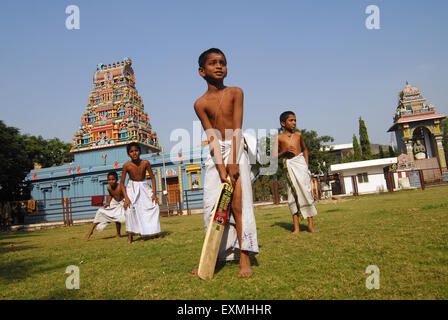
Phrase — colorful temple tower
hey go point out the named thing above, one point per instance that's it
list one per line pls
(417, 130)
(115, 113)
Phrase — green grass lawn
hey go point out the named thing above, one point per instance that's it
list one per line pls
(405, 234)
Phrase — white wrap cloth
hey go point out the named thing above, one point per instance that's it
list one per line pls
(113, 213)
(143, 215)
(229, 249)
(298, 186)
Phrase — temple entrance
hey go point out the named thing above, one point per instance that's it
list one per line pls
(172, 185)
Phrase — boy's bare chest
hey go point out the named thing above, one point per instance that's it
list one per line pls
(116, 193)
(221, 117)
(137, 172)
(290, 141)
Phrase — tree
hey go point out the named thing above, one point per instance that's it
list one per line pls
(357, 155)
(391, 151)
(20, 153)
(320, 160)
(14, 164)
(364, 140)
(48, 152)
(381, 152)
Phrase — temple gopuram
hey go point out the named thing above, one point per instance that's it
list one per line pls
(114, 117)
(115, 112)
(419, 138)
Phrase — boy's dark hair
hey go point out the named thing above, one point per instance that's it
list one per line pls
(204, 55)
(133, 144)
(112, 173)
(285, 116)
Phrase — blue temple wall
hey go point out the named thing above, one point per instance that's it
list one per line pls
(87, 177)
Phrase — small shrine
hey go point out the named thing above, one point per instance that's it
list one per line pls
(417, 130)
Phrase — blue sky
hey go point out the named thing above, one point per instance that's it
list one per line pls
(316, 58)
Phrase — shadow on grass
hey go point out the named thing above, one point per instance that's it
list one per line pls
(221, 264)
(334, 210)
(289, 226)
(20, 269)
(162, 235)
(6, 247)
(16, 235)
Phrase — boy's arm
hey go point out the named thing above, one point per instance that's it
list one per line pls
(237, 123)
(110, 199)
(127, 202)
(153, 182)
(212, 137)
(275, 152)
(304, 149)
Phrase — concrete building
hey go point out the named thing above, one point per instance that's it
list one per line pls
(363, 177)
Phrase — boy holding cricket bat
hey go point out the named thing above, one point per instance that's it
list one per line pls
(220, 111)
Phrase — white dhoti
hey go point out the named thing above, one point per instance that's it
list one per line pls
(113, 213)
(229, 249)
(298, 186)
(143, 215)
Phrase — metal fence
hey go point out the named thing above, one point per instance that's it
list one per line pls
(193, 198)
(35, 211)
(432, 176)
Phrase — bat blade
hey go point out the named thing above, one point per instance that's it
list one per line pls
(214, 233)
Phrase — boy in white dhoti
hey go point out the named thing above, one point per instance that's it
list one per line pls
(220, 110)
(113, 210)
(291, 146)
(141, 203)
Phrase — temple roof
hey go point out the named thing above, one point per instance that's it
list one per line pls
(411, 107)
(410, 91)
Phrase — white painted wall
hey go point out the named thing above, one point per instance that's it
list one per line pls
(377, 182)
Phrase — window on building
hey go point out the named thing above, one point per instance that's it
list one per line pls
(363, 177)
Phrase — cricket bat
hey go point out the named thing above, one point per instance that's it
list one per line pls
(216, 226)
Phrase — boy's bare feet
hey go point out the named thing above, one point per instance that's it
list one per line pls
(295, 219)
(118, 236)
(87, 236)
(194, 271)
(129, 238)
(311, 226)
(245, 267)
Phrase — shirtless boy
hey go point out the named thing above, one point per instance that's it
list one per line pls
(113, 210)
(141, 203)
(220, 111)
(291, 146)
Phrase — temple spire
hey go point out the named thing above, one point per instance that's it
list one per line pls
(115, 112)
